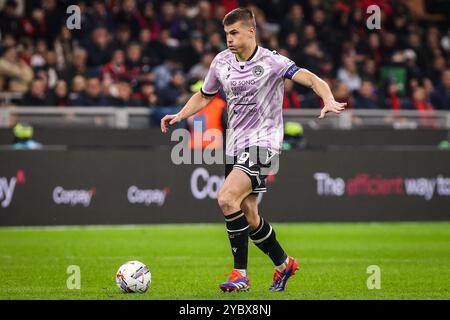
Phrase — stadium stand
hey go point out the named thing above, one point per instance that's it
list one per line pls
(148, 53)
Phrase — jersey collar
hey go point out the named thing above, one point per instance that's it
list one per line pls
(251, 57)
(239, 65)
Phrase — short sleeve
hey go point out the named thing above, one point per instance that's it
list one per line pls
(211, 84)
(285, 66)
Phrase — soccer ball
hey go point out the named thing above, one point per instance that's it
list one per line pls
(133, 276)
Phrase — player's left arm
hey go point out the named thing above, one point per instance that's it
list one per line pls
(321, 88)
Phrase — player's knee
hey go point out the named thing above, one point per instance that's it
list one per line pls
(227, 202)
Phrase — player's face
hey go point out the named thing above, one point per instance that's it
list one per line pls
(239, 36)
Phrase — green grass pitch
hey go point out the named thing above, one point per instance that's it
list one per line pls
(189, 261)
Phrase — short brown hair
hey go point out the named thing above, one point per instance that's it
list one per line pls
(240, 14)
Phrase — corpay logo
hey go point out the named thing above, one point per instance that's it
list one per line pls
(204, 185)
(7, 187)
(73, 197)
(147, 196)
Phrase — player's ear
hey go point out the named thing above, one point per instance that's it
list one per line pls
(252, 32)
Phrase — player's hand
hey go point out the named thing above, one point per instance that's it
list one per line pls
(332, 106)
(169, 119)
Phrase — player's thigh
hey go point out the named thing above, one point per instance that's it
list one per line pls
(236, 187)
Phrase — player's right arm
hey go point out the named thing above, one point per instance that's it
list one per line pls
(196, 103)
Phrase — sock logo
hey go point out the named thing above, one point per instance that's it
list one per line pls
(234, 250)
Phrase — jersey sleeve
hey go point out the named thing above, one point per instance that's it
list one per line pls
(211, 84)
(285, 66)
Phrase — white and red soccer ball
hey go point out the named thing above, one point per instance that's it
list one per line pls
(133, 277)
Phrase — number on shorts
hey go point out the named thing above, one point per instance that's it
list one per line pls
(243, 157)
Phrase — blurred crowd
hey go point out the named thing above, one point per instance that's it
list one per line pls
(150, 53)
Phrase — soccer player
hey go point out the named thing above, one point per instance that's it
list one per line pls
(252, 78)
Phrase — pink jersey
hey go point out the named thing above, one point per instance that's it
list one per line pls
(254, 95)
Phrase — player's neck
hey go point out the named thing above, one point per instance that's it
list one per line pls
(247, 53)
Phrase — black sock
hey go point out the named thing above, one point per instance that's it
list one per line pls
(264, 238)
(237, 227)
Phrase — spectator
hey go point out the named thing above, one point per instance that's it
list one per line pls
(200, 70)
(64, 47)
(440, 97)
(191, 52)
(99, 16)
(38, 58)
(294, 21)
(122, 37)
(369, 70)
(134, 63)
(323, 28)
(420, 101)
(415, 43)
(7, 41)
(100, 49)
(215, 42)
(435, 72)
(162, 38)
(201, 20)
(35, 26)
(129, 15)
(308, 33)
(92, 96)
(185, 22)
(9, 19)
(61, 94)
(265, 27)
(116, 68)
(77, 67)
(391, 97)
(348, 74)
(389, 45)
(175, 92)
(149, 56)
(147, 94)
(170, 21)
(366, 97)
(38, 94)
(15, 74)
(150, 21)
(342, 93)
(312, 55)
(291, 100)
(163, 73)
(78, 87)
(373, 51)
(54, 18)
(124, 96)
(293, 46)
(326, 68)
(49, 70)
